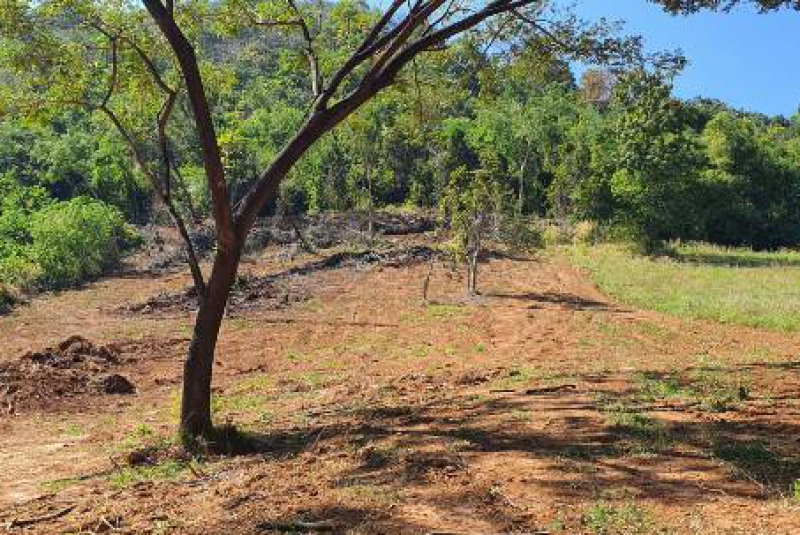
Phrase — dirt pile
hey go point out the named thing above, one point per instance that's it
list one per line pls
(46, 378)
(281, 290)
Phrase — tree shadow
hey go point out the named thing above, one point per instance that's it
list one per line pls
(732, 259)
(564, 300)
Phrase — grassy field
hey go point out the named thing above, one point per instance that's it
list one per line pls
(739, 286)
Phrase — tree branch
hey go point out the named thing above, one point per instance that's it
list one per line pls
(204, 123)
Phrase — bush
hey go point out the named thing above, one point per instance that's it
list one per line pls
(586, 233)
(556, 234)
(6, 298)
(519, 234)
(17, 270)
(77, 240)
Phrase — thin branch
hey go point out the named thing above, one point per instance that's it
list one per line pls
(204, 123)
(362, 54)
(431, 40)
(313, 62)
(538, 26)
(112, 81)
(166, 163)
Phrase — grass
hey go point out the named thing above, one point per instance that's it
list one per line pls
(736, 286)
(606, 519)
(130, 475)
(652, 388)
(649, 435)
(715, 390)
(56, 485)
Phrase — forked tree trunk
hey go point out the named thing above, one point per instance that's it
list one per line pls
(196, 398)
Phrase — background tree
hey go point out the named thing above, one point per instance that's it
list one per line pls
(472, 207)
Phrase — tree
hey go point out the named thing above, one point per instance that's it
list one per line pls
(472, 204)
(658, 162)
(143, 68)
(692, 6)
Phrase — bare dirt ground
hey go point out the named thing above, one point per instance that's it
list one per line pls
(540, 407)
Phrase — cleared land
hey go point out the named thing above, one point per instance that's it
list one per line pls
(543, 407)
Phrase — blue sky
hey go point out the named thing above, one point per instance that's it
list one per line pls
(747, 59)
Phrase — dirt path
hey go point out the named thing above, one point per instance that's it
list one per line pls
(541, 406)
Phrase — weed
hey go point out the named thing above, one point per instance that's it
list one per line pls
(267, 417)
(755, 461)
(380, 456)
(227, 404)
(256, 383)
(653, 388)
(718, 392)
(142, 437)
(458, 445)
(223, 440)
(314, 380)
(436, 311)
(131, 475)
(373, 496)
(750, 453)
(420, 351)
(521, 416)
(516, 376)
(648, 433)
(606, 519)
(56, 485)
(295, 356)
(590, 452)
(73, 430)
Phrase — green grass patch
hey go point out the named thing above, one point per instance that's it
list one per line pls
(436, 311)
(648, 435)
(227, 404)
(652, 387)
(130, 475)
(57, 485)
(714, 285)
(604, 518)
(716, 390)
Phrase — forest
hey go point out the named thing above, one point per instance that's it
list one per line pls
(291, 196)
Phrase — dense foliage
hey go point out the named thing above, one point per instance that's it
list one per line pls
(52, 244)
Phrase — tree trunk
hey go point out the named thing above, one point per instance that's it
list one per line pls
(197, 372)
(371, 207)
(473, 273)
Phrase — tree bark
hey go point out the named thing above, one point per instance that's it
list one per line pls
(197, 373)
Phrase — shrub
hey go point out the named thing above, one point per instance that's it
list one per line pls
(586, 233)
(77, 240)
(6, 299)
(519, 234)
(17, 269)
(556, 234)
